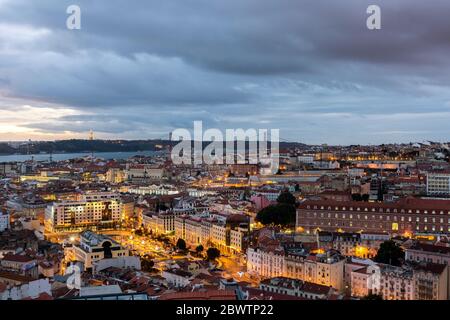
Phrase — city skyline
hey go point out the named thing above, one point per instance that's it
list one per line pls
(215, 157)
(312, 70)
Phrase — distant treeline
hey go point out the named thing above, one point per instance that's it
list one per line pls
(75, 146)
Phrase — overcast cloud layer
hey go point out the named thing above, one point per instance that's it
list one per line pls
(139, 69)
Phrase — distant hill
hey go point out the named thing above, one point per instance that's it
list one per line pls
(6, 149)
(75, 146)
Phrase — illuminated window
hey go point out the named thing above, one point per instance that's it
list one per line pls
(394, 226)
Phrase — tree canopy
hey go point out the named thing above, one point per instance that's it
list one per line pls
(282, 213)
(390, 253)
(212, 253)
(360, 197)
(279, 214)
(147, 263)
(181, 244)
(286, 197)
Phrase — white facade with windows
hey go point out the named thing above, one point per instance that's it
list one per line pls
(438, 184)
(95, 247)
(80, 214)
(4, 221)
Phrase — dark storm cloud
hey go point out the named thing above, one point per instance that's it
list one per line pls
(311, 68)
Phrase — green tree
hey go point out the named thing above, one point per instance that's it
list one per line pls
(356, 197)
(390, 253)
(181, 244)
(212, 254)
(286, 197)
(247, 194)
(280, 214)
(199, 249)
(147, 264)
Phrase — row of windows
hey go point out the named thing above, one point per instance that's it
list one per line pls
(379, 210)
(380, 217)
(394, 226)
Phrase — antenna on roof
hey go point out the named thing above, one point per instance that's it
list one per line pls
(91, 138)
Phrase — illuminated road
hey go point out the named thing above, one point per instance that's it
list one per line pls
(234, 268)
(163, 254)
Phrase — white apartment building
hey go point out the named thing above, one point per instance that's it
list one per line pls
(271, 195)
(306, 158)
(159, 223)
(77, 215)
(189, 229)
(362, 280)
(430, 282)
(438, 183)
(324, 269)
(115, 175)
(266, 263)
(237, 239)
(297, 288)
(193, 232)
(424, 281)
(180, 227)
(219, 235)
(177, 278)
(143, 172)
(201, 229)
(422, 252)
(396, 283)
(152, 190)
(98, 196)
(95, 247)
(4, 221)
(31, 290)
(392, 283)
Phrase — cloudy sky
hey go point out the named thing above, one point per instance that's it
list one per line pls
(139, 69)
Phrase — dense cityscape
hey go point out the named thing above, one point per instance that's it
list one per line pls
(334, 223)
(224, 159)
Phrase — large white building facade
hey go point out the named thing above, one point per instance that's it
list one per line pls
(4, 221)
(95, 247)
(324, 269)
(79, 215)
(438, 183)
